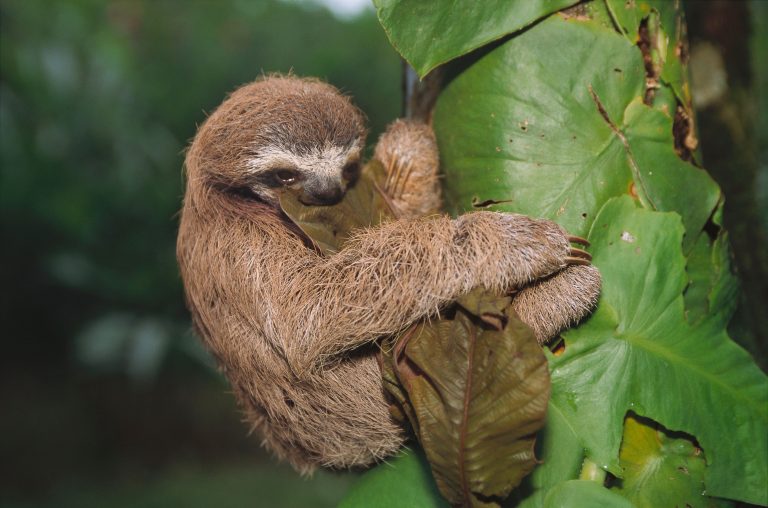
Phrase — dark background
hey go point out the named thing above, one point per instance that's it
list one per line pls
(106, 399)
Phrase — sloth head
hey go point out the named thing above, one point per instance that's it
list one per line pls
(278, 133)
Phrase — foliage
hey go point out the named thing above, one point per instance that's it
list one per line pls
(404, 480)
(431, 38)
(474, 387)
(651, 454)
(585, 118)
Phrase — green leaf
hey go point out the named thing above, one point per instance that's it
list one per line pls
(478, 394)
(713, 290)
(428, 34)
(663, 175)
(561, 454)
(581, 493)
(668, 38)
(723, 296)
(638, 353)
(402, 481)
(551, 124)
(661, 468)
(699, 271)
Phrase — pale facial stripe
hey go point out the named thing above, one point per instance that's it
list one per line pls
(326, 161)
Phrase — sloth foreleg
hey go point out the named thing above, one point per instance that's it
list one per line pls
(392, 275)
(408, 151)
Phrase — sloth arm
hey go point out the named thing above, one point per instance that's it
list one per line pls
(394, 274)
(408, 150)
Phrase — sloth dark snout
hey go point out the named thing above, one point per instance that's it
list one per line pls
(325, 194)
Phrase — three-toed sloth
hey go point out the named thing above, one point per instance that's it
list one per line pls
(294, 331)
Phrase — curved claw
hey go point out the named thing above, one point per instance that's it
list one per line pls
(569, 260)
(579, 240)
(580, 253)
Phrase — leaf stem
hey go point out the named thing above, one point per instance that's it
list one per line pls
(591, 471)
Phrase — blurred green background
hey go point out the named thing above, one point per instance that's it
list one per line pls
(106, 398)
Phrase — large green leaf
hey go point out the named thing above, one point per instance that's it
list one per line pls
(561, 454)
(477, 394)
(638, 353)
(430, 33)
(583, 493)
(551, 124)
(404, 480)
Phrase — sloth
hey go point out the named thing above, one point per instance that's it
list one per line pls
(296, 332)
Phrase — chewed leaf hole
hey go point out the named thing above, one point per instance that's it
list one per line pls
(683, 134)
(659, 465)
(558, 347)
(488, 202)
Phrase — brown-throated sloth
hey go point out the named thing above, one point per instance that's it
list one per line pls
(295, 331)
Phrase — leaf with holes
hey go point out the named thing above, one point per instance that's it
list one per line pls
(666, 38)
(661, 468)
(552, 124)
(637, 353)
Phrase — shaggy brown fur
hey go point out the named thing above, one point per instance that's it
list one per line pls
(408, 151)
(293, 331)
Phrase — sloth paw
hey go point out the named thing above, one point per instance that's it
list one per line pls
(559, 301)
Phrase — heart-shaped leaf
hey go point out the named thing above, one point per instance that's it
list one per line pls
(557, 126)
(638, 353)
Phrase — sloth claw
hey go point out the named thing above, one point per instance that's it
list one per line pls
(579, 253)
(579, 240)
(578, 257)
(569, 260)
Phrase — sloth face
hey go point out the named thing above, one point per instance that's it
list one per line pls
(321, 174)
(277, 133)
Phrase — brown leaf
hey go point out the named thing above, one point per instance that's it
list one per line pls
(364, 204)
(478, 396)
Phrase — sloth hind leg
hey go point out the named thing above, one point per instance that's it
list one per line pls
(559, 301)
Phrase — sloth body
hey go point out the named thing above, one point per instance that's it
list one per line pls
(294, 331)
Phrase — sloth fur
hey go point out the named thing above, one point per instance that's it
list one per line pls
(295, 332)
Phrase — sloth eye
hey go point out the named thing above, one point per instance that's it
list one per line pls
(286, 176)
(351, 171)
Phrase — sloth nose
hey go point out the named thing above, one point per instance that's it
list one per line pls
(323, 195)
